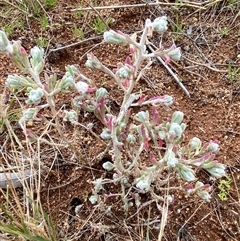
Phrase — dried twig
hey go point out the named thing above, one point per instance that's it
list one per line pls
(185, 3)
(206, 65)
(171, 72)
(15, 179)
(74, 44)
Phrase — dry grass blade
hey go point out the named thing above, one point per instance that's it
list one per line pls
(188, 4)
(163, 220)
(22, 215)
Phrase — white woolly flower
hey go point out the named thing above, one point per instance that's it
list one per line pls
(106, 134)
(123, 72)
(29, 114)
(108, 166)
(70, 116)
(213, 147)
(217, 171)
(35, 96)
(144, 183)
(172, 161)
(93, 199)
(175, 130)
(195, 144)
(82, 87)
(113, 37)
(37, 56)
(160, 24)
(5, 45)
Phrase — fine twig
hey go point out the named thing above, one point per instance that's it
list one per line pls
(194, 213)
(206, 65)
(99, 15)
(74, 44)
(170, 72)
(229, 131)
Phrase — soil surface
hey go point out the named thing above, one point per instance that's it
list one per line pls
(210, 42)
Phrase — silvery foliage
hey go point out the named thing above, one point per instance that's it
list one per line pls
(132, 137)
(136, 138)
(40, 91)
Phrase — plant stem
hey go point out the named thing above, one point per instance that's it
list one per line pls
(110, 73)
(36, 78)
(136, 158)
(117, 153)
(49, 98)
(127, 102)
